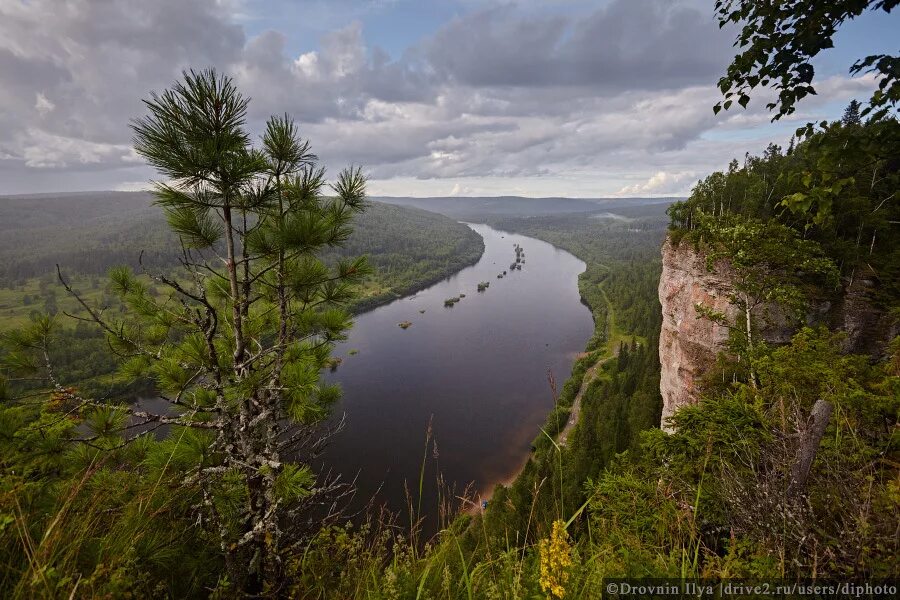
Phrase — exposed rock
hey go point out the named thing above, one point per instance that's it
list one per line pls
(868, 329)
(689, 344)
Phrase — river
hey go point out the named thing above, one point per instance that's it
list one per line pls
(476, 372)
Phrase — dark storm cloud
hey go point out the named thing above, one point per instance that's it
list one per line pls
(73, 73)
(643, 44)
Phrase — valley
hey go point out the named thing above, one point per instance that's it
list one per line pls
(456, 300)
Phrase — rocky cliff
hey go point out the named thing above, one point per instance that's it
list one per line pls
(689, 344)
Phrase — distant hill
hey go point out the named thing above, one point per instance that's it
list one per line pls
(45, 211)
(91, 231)
(87, 233)
(519, 206)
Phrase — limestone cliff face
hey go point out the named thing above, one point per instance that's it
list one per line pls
(689, 344)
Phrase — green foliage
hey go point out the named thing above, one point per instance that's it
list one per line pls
(409, 249)
(778, 41)
(235, 349)
(91, 502)
(75, 518)
(835, 191)
(772, 269)
(294, 482)
(734, 451)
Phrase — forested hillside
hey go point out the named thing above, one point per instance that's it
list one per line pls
(409, 249)
(85, 233)
(835, 193)
(88, 234)
(475, 208)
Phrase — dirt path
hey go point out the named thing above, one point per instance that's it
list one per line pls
(613, 349)
(576, 404)
(589, 376)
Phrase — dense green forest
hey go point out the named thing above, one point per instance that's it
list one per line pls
(475, 208)
(409, 250)
(88, 234)
(834, 192)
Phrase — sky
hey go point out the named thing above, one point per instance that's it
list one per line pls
(430, 97)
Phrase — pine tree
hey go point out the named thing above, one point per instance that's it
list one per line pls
(237, 346)
(852, 114)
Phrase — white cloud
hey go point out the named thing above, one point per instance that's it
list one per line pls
(44, 150)
(133, 186)
(504, 99)
(659, 182)
(42, 104)
(308, 64)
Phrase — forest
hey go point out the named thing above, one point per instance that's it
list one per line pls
(87, 234)
(787, 467)
(408, 248)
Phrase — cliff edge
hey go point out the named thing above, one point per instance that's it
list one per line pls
(689, 344)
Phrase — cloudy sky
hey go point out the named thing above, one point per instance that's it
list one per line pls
(436, 97)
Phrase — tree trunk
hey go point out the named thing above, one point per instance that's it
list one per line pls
(231, 266)
(749, 331)
(809, 445)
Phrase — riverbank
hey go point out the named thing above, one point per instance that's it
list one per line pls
(457, 374)
(600, 349)
(368, 304)
(570, 413)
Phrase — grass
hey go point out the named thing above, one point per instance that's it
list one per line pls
(113, 514)
(15, 312)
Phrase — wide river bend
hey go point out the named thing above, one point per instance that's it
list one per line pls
(476, 372)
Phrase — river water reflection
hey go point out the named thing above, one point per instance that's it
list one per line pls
(477, 372)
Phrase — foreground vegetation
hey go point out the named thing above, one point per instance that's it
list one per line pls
(787, 467)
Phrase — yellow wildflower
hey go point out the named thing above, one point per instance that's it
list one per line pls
(556, 559)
